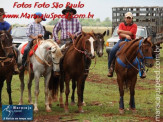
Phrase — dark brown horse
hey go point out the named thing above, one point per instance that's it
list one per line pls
(126, 66)
(55, 82)
(74, 65)
(98, 47)
(7, 61)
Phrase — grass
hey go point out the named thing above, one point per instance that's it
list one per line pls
(103, 91)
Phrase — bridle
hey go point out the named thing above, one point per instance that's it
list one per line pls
(137, 59)
(84, 51)
(4, 47)
(5, 59)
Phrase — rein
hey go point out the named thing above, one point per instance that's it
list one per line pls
(141, 59)
(83, 52)
(5, 59)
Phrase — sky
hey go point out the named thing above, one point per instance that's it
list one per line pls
(100, 8)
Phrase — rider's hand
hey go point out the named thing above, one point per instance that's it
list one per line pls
(118, 31)
(72, 36)
(58, 41)
(40, 36)
(128, 37)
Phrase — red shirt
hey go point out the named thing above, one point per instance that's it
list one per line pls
(132, 28)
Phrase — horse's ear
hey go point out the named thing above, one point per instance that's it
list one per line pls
(83, 33)
(92, 31)
(148, 40)
(104, 33)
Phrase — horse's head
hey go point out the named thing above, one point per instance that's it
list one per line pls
(145, 52)
(88, 42)
(56, 56)
(6, 44)
(99, 44)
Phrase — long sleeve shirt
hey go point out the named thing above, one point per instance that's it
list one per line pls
(73, 26)
(35, 29)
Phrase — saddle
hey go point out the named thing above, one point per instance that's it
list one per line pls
(33, 49)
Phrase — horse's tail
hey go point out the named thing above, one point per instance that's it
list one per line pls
(54, 84)
(126, 85)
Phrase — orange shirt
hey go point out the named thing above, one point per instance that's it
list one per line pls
(132, 28)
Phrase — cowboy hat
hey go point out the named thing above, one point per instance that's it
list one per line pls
(68, 9)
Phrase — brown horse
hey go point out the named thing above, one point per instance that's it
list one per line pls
(98, 47)
(7, 61)
(56, 82)
(127, 61)
(74, 65)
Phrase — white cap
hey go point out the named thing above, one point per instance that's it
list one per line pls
(129, 14)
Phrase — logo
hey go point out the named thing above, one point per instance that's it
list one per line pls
(17, 112)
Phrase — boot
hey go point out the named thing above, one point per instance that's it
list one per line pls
(110, 73)
(143, 75)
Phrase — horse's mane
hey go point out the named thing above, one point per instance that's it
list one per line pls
(51, 41)
(127, 46)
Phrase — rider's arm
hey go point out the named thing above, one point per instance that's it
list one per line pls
(56, 29)
(125, 36)
(30, 31)
(79, 28)
(125, 32)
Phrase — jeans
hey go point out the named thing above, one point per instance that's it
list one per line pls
(113, 53)
(26, 51)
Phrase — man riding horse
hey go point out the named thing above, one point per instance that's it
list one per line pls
(67, 25)
(4, 25)
(35, 30)
(127, 31)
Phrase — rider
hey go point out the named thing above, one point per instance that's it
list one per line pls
(35, 30)
(67, 25)
(7, 27)
(127, 30)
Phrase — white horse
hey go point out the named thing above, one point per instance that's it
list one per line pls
(44, 59)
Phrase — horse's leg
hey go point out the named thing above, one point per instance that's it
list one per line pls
(80, 92)
(73, 92)
(22, 85)
(8, 80)
(61, 83)
(1, 86)
(46, 83)
(67, 80)
(85, 77)
(37, 77)
(121, 91)
(132, 93)
(31, 77)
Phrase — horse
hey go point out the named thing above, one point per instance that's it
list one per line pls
(45, 58)
(73, 65)
(56, 82)
(98, 47)
(7, 62)
(127, 65)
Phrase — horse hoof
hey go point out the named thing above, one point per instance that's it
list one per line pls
(66, 111)
(81, 111)
(72, 103)
(48, 110)
(36, 110)
(83, 104)
(133, 110)
(20, 104)
(121, 111)
(61, 105)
